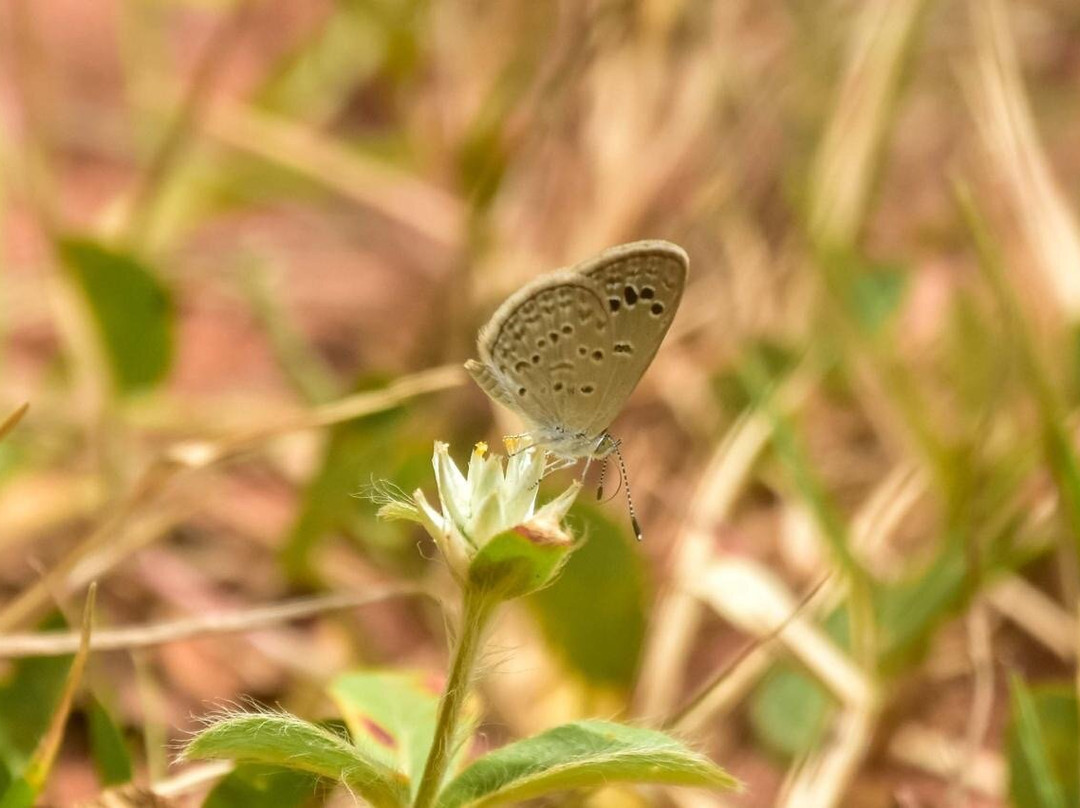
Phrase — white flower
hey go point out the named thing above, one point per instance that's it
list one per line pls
(494, 496)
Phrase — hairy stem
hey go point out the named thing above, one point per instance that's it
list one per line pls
(476, 614)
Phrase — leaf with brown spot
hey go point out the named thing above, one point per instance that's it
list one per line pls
(391, 716)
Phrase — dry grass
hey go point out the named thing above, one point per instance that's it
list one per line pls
(871, 381)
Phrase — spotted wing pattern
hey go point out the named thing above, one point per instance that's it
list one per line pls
(642, 285)
(567, 350)
(543, 352)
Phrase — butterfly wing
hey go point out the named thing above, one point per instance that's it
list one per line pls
(641, 284)
(542, 352)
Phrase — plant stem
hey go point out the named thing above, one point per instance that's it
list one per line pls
(478, 608)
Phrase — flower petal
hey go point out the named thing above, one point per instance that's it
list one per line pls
(489, 519)
(450, 542)
(453, 489)
(431, 519)
(485, 481)
(398, 509)
(555, 510)
(524, 470)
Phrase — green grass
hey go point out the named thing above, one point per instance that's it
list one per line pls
(216, 221)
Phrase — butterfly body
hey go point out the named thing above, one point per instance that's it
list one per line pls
(572, 445)
(566, 350)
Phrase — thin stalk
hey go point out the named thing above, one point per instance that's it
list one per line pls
(305, 369)
(37, 770)
(1061, 457)
(478, 609)
(182, 130)
(830, 523)
(764, 642)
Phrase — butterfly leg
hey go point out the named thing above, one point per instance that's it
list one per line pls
(585, 471)
(558, 464)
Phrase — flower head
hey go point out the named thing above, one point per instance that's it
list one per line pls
(488, 516)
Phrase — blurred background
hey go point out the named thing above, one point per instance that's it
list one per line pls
(246, 247)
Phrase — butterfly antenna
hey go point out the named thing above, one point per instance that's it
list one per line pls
(600, 484)
(629, 499)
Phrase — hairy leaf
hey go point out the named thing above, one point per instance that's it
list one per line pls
(393, 716)
(284, 740)
(581, 755)
(252, 785)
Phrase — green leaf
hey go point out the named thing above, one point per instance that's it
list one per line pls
(34, 769)
(280, 739)
(27, 701)
(876, 294)
(869, 291)
(392, 715)
(1042, 746)
(777, 359)
(132, 310)
(584, 754)
(790, 710)
(20, 794)
(107, 746)
(520, 561)
(252, 785)
(593, 619)
(910, 610)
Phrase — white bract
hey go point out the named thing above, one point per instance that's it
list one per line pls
(495, 495)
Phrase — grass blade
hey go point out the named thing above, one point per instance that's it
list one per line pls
(23, 792)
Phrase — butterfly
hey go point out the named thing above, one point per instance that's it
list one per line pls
(566, 351)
